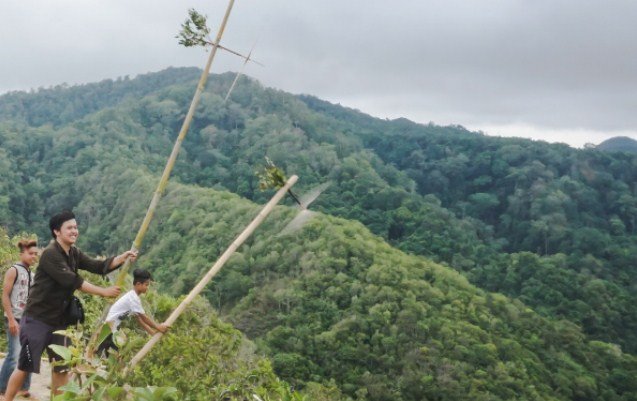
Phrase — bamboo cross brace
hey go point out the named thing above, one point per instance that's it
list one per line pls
(236, 78)
(214, 269)
(245, 58)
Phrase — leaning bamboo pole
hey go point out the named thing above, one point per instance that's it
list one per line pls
(177, 146)
(163, 181)
(214, 269)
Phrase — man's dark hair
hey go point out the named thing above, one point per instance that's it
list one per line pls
(56, 221)
(141, 276)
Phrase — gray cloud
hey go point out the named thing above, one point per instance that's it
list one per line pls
(553, 65)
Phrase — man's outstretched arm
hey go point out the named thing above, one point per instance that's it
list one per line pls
(107, 292)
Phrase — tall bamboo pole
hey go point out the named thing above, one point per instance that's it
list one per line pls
(173, 156)
(163, 181)
(214, 269)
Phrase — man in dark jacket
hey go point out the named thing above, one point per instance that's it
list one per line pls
(55, 281)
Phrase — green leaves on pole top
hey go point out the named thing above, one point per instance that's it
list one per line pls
(271, 177)
(194, 31)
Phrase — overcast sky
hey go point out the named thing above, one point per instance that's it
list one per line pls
(561, 71)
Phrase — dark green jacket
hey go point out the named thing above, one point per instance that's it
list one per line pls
(56, 279)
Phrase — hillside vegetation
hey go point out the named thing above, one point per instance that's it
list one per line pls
(334, 302)
(202, 357)
(550, 227)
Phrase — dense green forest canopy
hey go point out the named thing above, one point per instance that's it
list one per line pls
(550, 226)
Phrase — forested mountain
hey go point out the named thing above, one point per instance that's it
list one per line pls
(619, 144)
(549, 226)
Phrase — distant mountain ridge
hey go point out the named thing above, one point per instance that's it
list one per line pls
(618, 144)
(40, 106)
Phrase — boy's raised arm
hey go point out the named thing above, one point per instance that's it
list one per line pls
(151, 323)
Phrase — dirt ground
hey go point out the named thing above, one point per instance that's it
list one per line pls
(40, 390)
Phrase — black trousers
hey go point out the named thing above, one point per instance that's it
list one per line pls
(107, 345)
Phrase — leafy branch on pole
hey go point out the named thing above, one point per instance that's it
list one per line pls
(194, 31)
(272, 177)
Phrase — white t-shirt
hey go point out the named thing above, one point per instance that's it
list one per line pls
(128, 304)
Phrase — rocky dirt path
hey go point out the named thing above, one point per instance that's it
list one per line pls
(40, 390)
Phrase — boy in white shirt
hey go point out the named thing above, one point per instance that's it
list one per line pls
(130, 304)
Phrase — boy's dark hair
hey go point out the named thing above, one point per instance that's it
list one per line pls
(55, 223)
(25, 244)
(141, 276)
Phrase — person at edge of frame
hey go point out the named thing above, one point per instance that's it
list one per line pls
(15, 290)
